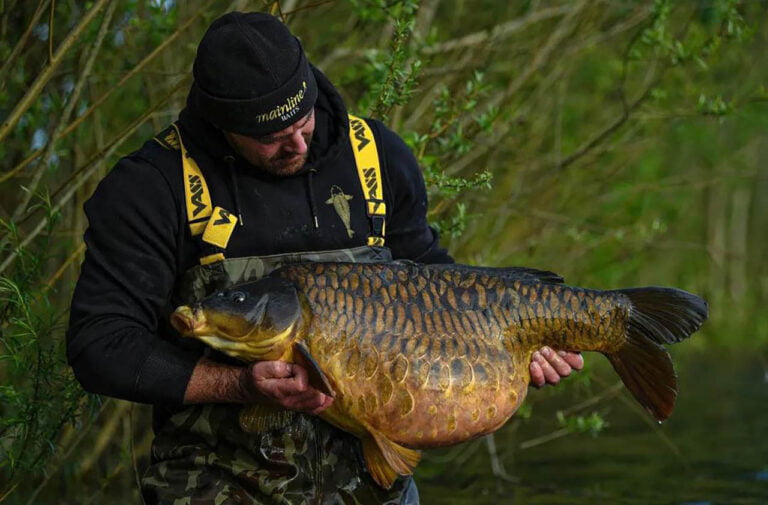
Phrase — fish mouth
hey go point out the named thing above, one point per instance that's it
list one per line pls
(187, 319)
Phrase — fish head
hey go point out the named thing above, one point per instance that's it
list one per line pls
(252, 321)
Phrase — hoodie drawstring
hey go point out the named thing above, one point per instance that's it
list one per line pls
(230, 160)
(233, 180)
(312, 205)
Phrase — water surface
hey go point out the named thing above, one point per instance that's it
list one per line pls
(713, 451)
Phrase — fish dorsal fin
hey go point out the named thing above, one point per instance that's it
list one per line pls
(317, 377)
(525, 273)
(512, 273)
(386, 460)
(261, 417)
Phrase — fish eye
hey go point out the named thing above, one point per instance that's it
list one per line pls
(237, 297)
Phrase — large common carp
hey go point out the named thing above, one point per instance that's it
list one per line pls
(421, 356)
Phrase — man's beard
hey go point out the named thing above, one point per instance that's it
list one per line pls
(285, 165)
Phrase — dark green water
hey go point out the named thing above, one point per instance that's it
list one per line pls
(713, 451)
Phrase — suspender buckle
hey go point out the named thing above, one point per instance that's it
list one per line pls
(377, 226)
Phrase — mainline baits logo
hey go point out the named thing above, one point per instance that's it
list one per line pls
(285, 110)
(359, 130)
(196, 188)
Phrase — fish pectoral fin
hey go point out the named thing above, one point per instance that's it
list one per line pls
(386, 460)
(317, 377)
(261, 417)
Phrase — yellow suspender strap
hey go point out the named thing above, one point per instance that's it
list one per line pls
(197, 196)
(219, 228)
(369, 172)
(211, 258)
(215, 224)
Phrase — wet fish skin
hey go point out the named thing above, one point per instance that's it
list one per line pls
(425, 356)
(409, 346)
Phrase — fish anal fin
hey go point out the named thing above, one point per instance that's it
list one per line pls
(646, 369)
(386, 460)
(377, 465)
(317, 377)
(261, 417)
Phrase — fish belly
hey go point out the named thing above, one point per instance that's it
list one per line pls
(427, 392)
(444, 408)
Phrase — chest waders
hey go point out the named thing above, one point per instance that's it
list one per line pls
(201, 456)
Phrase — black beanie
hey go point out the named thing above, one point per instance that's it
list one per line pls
(251, 75)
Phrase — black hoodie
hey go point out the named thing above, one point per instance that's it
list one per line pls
(119, 342)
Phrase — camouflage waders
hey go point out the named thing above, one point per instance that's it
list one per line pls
(201, 456)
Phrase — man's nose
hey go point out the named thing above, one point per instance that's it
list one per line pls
(297, 143)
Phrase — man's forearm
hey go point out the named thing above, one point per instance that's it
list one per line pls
(276, 382)
(213, 382)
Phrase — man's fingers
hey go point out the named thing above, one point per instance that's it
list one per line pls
(545, 374)
(288, 376)
(309, 401)
(326, 402)
(264, 370)
(315, 404)
(537, 374)
(548, 366)
(550, 374)
(574, 359)
(556, 363)
(299, 379)
(288, 385)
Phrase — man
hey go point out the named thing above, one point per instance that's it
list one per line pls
(257, 172)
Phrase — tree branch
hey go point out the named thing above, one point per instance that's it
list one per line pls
(77, 179)
(42, 79)
(50, 147)
(498, 32)
(22, 41)
(50, 31)
(96, 103)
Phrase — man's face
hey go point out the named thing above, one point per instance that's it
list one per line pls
(280, 153)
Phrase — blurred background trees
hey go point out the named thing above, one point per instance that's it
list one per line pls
(616, 142)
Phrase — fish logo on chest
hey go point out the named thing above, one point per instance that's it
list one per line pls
(340, 202)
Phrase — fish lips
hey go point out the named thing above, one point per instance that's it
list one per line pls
(187, 319)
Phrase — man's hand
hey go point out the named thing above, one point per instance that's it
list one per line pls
(548, 366)
(286, 384)
(283, 383)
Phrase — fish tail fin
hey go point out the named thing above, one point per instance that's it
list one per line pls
(657, 316)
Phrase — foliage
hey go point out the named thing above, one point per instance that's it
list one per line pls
(619, 143)
(592, 424)
(40, 395)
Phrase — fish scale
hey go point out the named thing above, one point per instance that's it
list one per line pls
(432, 379)
(421, 356)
